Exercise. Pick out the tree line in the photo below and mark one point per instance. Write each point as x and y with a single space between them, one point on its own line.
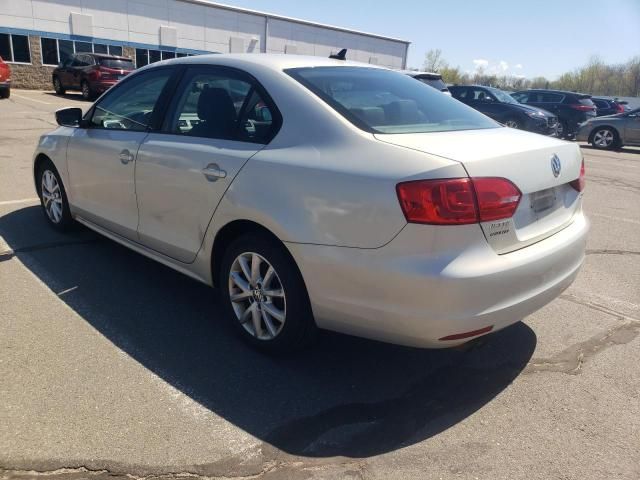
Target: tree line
596 77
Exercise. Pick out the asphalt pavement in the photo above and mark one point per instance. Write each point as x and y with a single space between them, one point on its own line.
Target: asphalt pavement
113 366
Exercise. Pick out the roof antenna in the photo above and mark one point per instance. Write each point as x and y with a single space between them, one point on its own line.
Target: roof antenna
341 55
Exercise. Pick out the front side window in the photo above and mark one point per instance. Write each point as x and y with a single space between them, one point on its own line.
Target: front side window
383 101
219 105
130 105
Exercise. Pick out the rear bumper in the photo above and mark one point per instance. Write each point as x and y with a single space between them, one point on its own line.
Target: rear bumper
5 84
432 282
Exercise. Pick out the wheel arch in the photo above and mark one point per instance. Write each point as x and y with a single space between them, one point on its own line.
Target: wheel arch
38 162
233 230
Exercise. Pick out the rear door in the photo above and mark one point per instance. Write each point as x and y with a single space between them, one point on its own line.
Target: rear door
219 118
101 159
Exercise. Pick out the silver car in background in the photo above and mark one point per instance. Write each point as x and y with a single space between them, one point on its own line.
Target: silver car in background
611 131
320 193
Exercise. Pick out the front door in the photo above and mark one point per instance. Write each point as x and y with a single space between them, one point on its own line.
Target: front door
218 120
102 157
632 128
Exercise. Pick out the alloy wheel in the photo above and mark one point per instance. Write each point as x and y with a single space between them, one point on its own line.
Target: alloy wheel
257 296
85 90
56 85
511 124
603 138
51 196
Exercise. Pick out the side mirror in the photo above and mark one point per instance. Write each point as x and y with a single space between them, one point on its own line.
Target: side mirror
69 117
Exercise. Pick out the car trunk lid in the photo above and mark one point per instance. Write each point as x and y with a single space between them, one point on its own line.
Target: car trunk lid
541 167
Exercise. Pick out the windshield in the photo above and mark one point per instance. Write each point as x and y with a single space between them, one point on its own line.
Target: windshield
116 63
383 101
503 97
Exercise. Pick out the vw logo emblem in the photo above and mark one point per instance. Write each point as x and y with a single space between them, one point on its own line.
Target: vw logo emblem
556 166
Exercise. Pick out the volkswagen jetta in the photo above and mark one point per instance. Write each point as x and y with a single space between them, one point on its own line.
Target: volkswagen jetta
319 193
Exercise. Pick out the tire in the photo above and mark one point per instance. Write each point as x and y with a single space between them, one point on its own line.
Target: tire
5 93
562 129
57 86
605 138
513 123
87 93
53 200
274 324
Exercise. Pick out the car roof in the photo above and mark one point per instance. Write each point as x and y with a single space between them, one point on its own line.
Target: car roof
547 90
274 61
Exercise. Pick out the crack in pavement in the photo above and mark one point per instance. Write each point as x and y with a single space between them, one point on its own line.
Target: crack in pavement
611 252
571 359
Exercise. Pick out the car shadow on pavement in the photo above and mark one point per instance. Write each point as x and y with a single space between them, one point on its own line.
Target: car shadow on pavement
77 96
345 396
635 150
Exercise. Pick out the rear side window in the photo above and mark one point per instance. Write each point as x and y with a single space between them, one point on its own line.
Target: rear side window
129 105
383 101
222 105
459 92
551 98
116 63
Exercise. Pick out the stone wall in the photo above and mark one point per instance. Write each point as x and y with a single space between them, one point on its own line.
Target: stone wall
37 76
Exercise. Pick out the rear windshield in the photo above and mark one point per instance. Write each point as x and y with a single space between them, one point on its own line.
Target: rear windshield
383 101
585 101
116 63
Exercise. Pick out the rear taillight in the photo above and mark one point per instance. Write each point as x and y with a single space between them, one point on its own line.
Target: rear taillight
619 108
458 201
497 198
579 183
582 108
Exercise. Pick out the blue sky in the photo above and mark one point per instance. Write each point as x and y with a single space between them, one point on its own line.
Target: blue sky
530 38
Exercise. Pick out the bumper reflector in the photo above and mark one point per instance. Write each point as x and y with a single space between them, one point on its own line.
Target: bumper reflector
474 333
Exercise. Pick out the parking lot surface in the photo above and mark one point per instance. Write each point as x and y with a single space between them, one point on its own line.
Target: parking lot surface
113 366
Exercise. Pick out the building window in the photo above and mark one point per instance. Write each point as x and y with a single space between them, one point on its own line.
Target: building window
65 47
142 57
84 47
15 48
154 56
59 51
145 57
49 48
100 48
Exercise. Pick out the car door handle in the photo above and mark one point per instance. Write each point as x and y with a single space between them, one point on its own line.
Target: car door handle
213 172
126 156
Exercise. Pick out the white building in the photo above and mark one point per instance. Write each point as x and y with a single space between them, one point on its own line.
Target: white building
37 34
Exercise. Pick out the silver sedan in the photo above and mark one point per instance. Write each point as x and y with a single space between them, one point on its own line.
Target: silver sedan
322 194
612 131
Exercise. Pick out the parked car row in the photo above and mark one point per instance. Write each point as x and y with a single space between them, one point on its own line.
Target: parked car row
503 108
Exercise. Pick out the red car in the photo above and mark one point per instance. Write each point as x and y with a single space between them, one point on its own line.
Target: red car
5 79
91 73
